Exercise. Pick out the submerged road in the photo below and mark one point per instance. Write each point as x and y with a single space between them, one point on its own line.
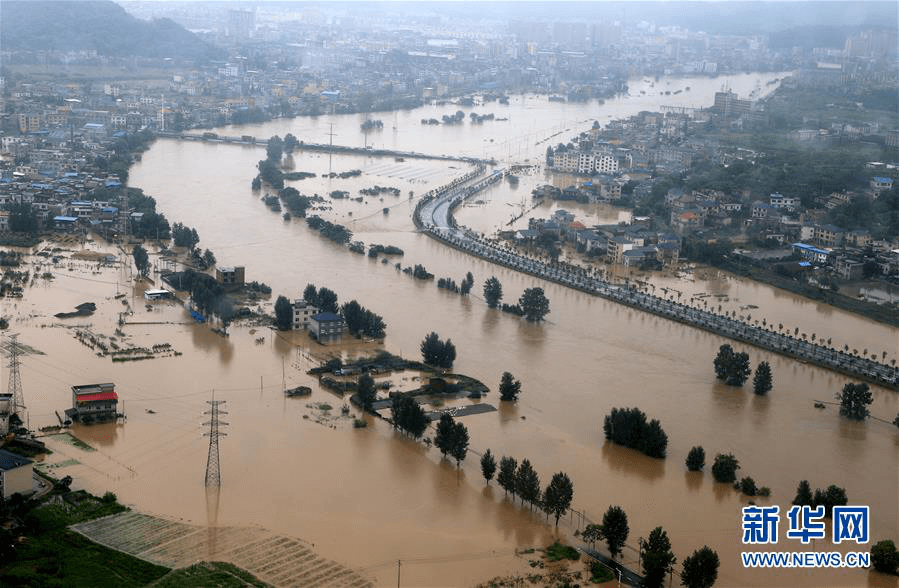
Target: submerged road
433 215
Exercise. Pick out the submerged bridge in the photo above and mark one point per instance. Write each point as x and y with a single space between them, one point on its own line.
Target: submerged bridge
250 140
433 215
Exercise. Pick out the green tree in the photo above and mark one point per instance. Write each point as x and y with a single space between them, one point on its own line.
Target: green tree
614 529
408 415
209 258
658 559
22 218
274 150
436 352
509 387
725 468
739 370
443 438
762 381
488 465
493 292
459 446
327 300
854 401
283 313
534 304
732 367
185 236
803 494
655 441
748 487
696 459
557 496
527 482
506 476
141 260
829 498
591 534
366 391
310 295
700 569
723 360
885 557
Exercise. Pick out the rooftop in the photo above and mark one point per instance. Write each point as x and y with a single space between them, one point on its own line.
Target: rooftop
10 461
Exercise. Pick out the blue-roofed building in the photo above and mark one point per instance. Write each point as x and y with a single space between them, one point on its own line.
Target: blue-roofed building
65 223
881 184
812 253
326 327
15 474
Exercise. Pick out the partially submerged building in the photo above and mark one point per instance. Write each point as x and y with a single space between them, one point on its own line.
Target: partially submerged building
94 403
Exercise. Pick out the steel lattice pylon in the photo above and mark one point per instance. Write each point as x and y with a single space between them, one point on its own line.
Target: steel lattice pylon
15 381
213 473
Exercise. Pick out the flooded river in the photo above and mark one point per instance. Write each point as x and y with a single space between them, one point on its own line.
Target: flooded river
368 497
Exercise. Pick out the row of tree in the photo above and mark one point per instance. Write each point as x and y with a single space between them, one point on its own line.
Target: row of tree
628 427
523 481
337 233
533 303
700 569
724 470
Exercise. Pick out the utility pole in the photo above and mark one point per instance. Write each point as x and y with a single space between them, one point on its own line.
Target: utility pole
15 381
213 473
398 566
330 145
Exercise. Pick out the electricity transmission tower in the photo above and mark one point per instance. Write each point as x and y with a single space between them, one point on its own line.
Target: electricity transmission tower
213 473
15 381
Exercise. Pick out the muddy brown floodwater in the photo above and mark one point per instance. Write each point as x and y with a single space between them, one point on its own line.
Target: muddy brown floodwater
369 497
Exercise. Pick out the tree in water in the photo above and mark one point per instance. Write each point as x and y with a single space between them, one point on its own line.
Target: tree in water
700 569
534 304
658 559
506 477
558 495
527 482
854 401
436 352
366 391
732 367
327 300
488 465
615 529
803 494
459 446
696 459
283 313
725 468
443 438
762 381
493 292
509 388
885 557
141 260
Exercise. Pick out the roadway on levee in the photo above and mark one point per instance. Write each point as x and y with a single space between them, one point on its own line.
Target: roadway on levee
433 215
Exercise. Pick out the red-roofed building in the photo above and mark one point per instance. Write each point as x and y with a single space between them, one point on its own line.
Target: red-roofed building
93 402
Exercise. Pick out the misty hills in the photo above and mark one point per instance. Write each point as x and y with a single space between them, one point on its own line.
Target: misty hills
95 24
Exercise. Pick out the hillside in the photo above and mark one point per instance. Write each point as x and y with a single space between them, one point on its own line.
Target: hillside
95 24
